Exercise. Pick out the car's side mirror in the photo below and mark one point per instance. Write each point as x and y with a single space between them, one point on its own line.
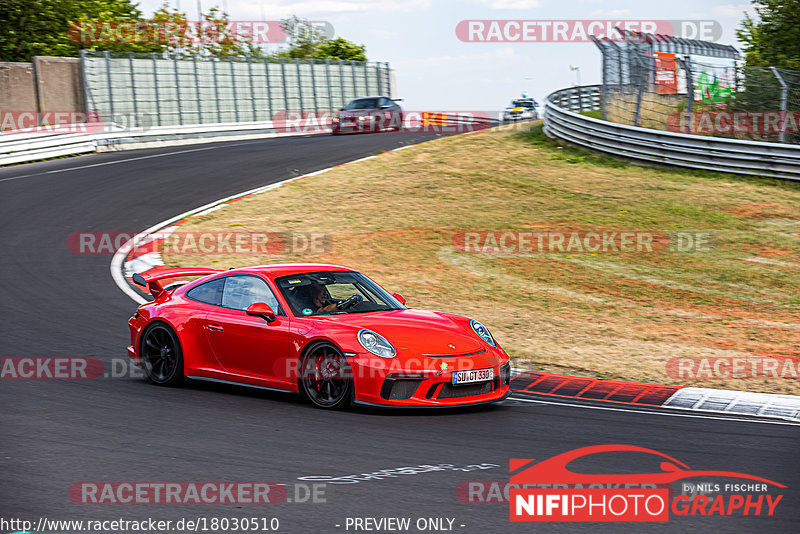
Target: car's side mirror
400 298
261 309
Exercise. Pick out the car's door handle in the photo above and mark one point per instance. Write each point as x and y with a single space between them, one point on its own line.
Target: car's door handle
215 328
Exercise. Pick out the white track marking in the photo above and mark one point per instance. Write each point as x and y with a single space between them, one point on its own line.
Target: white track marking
649 412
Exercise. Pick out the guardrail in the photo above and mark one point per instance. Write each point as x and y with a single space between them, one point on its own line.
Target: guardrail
563 120
25 147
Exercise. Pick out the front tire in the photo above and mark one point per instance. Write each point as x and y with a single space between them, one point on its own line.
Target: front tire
161 355
325 377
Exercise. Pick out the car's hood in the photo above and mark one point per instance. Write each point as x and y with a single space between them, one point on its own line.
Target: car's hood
417 332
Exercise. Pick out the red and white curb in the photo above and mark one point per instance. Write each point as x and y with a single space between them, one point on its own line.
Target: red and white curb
140 254
717 401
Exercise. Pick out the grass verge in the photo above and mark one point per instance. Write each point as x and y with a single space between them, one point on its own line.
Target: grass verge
609 315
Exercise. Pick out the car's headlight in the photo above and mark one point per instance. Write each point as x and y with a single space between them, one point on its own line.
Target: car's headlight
482 332
376 343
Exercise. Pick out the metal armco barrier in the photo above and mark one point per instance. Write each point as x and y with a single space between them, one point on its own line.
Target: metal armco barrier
25 147
22 148
562 120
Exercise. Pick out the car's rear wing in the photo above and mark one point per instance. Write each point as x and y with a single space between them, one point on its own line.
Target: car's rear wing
151 281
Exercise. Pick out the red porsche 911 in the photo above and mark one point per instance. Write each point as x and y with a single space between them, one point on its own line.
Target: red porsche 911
327 332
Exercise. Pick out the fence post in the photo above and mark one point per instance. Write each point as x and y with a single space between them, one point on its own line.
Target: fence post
252 88
178 90
283 79
133 91
86 91
784 102
604 97
341 80
108 80
353 74
197 90
155 87
640 91
687 66
314 84
214 60
271 115
331 105
299 85
388 73
233 88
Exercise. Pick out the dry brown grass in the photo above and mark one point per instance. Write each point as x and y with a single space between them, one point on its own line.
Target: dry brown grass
608 315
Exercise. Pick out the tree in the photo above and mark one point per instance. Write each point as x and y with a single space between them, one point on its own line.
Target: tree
41 27
341 49
213 37
772 40
309 42
65 27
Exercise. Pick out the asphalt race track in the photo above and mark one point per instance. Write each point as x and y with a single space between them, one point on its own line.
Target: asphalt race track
54 433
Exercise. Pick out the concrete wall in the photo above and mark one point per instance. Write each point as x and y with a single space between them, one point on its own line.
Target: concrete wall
45 84
17 88
59 86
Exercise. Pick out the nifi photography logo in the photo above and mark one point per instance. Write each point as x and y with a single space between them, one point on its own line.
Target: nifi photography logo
549 491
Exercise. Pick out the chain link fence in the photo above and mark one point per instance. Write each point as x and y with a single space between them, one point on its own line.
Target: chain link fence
142 90
696 94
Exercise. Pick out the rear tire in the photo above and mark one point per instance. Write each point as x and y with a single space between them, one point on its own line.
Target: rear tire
325 378
161 355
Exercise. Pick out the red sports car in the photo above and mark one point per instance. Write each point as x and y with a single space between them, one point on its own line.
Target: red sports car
326 331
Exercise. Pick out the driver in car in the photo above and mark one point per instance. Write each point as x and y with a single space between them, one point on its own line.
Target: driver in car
319 296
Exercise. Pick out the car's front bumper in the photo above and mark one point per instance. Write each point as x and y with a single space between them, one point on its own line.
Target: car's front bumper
427 381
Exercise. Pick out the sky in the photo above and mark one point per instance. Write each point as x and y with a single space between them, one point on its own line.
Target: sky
436 70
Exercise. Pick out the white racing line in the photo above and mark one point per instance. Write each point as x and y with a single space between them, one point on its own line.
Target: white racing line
117 268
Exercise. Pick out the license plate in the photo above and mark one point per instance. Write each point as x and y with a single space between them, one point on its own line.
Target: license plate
475 375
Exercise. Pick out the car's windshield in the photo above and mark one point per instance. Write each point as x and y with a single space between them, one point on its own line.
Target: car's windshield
524 104
333 292
362 103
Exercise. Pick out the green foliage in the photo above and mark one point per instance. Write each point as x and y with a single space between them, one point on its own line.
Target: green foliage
214 38
308 42
772 41
341 49
40 27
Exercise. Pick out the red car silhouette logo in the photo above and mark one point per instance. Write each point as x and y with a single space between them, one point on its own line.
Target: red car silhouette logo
554 470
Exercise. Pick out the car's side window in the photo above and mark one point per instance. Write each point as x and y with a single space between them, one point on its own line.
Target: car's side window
208 293
242 291
385 102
